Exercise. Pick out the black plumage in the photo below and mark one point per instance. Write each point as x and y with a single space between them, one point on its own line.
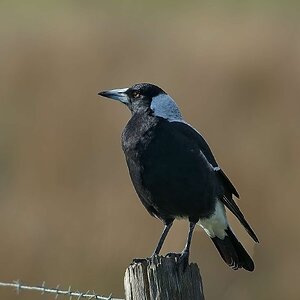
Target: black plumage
175 173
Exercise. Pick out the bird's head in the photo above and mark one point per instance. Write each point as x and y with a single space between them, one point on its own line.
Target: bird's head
146 97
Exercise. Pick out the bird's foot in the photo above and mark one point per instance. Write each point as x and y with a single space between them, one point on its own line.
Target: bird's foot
182 259
146 259
173 255
139 260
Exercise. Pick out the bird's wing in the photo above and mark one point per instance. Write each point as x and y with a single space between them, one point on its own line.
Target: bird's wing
193 134
229 189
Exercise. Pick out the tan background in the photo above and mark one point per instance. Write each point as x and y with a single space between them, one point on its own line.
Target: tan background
68 212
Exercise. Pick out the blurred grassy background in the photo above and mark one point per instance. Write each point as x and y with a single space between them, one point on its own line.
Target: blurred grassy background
68 212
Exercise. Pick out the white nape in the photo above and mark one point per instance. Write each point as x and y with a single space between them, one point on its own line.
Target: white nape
216 224
165 107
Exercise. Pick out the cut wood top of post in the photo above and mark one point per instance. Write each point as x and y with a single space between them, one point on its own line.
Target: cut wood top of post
162 278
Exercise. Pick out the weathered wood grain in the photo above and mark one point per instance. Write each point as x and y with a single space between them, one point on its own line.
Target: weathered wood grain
161 278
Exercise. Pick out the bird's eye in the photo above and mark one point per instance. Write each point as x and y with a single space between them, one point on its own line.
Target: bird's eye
135 95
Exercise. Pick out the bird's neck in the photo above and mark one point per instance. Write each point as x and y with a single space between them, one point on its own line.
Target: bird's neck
140 110
138 127
165 107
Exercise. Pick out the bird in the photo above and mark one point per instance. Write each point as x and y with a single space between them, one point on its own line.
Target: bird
175 174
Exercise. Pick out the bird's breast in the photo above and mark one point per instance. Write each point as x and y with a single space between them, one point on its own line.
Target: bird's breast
167 170
138 132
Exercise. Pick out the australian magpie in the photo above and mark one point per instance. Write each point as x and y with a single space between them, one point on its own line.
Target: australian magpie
175 173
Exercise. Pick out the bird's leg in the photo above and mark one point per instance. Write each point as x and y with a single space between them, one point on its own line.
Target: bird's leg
168 225
184 257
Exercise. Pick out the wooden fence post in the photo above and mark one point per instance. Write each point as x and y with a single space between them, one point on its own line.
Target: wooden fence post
160 278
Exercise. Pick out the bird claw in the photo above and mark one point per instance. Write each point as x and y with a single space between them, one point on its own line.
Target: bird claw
139 260
173 255
182 259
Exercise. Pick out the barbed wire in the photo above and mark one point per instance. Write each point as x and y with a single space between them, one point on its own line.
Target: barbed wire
56 291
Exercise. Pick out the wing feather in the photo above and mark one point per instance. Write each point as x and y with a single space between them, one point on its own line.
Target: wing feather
229 188
204 148
231 205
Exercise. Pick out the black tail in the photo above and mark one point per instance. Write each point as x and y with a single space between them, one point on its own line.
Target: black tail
233 252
